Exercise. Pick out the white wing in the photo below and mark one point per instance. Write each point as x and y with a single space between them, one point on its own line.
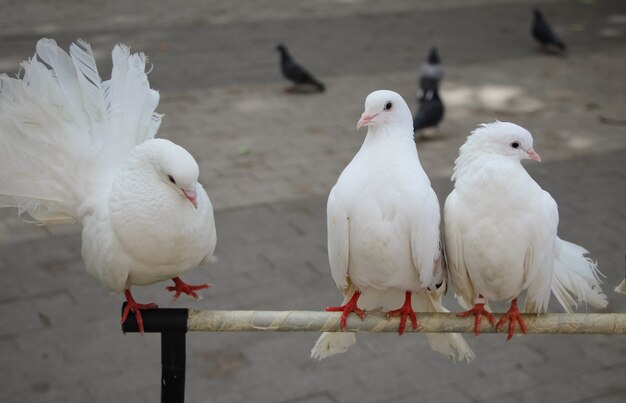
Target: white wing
338 240
424 238
457 270
64 133
543 218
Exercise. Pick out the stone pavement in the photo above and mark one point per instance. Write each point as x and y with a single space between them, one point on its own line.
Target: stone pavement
268 160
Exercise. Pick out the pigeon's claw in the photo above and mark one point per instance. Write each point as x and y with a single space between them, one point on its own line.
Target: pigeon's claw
405 311
132 305
180 287
513 315
478 311
347 308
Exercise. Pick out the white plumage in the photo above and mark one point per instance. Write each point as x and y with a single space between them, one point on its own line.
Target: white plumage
383 228
621 287
78 149
501 229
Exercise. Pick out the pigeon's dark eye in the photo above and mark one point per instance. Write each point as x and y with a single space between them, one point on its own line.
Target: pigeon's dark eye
171 178
388 106
515 144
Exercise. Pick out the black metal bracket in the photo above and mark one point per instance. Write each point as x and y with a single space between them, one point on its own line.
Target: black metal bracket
172 324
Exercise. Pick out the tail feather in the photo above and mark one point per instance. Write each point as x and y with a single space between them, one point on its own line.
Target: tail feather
131 101
452 345
621 288
92 92
319 85
331 343
576 278
63 70
33 116
559 44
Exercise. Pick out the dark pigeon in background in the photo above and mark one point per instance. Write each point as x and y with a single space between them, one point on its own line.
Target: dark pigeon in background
430 112
542 32
296 73
431 73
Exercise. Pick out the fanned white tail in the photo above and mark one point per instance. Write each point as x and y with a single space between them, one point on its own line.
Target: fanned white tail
576 278
64 132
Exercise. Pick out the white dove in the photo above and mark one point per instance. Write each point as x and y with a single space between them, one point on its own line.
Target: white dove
383 230
77 149
501 233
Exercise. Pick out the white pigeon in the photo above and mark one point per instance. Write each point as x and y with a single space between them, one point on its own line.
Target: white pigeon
78 149
501 233
383 230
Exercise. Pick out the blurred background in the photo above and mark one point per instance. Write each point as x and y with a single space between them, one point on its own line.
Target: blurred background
268 158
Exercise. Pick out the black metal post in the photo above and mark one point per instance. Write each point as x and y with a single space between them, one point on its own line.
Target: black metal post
172 366
172 324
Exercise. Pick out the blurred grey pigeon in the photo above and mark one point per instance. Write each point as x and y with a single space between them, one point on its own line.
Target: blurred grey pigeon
79 149
543 33
383 231
430 111
431 73
296 73
501 238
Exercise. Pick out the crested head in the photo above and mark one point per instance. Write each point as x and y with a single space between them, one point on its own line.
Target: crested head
386 108
499 139
495 140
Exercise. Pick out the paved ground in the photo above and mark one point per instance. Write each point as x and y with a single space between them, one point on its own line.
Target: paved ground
268 160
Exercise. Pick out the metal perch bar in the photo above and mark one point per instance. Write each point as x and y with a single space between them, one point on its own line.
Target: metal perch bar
314 321
173 324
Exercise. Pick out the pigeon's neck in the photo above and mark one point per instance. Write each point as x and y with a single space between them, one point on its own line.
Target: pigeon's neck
284 55
396 140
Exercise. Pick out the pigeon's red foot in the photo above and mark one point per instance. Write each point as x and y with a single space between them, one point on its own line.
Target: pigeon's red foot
132 305
347 308
405 311
181 287
513 315
478 311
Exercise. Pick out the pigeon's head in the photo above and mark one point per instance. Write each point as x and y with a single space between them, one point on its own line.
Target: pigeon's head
281 48
433 56
537 14
502 138
174 166
385 108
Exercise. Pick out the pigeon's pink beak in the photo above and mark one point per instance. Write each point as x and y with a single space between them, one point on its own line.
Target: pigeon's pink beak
192 196
533 155
366 118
